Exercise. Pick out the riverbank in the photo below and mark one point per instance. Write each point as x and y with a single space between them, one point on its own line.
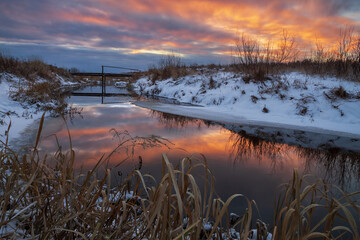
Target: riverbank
291 100
22 101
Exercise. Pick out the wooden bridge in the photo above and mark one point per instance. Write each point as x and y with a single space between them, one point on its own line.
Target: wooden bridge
103 76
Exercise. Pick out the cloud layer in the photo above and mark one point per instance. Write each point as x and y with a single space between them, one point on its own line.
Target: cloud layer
200 30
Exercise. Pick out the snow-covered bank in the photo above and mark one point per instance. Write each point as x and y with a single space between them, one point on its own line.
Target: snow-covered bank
294 101
22 113
211 114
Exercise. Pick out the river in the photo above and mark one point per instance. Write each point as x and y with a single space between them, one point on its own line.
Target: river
252 160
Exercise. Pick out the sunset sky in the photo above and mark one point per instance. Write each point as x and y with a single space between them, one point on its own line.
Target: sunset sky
136 33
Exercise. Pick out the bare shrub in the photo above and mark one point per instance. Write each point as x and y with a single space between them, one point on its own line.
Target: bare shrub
286 50
249 58
345 42
258 60
169 66
341 60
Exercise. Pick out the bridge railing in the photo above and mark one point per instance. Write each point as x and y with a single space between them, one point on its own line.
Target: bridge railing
103 75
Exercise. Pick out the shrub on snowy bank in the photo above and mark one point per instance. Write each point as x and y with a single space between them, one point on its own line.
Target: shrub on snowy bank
259 60
35 83
169 66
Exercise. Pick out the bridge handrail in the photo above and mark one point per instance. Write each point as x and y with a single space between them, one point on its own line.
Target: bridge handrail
122 68
100 74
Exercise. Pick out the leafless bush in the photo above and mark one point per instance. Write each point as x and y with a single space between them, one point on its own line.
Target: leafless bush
258 60
346 42
286 50
169 66
341 60
249 58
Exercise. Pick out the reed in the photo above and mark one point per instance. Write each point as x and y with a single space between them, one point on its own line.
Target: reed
298 202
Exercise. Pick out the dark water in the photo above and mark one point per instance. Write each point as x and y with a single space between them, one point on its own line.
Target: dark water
253 161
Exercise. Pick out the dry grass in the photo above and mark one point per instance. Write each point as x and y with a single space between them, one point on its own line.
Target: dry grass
43 202
30 69
299 201
38 82
169 66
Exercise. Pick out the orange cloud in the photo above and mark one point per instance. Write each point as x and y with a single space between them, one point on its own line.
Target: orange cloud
204 27
261 19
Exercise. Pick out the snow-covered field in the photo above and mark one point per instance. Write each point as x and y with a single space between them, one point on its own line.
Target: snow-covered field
293 100
20 113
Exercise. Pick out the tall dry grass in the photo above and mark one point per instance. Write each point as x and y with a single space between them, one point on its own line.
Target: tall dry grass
30 69
43 201
299 201
169 66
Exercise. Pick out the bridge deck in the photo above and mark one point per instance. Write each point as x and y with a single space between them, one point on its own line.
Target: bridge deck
99 94
100 74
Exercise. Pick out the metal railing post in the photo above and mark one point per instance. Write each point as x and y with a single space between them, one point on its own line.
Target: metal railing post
102 84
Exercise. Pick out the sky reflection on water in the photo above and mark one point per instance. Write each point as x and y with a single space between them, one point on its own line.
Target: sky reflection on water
241 162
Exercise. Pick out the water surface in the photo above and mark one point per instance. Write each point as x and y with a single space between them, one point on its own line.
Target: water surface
253 161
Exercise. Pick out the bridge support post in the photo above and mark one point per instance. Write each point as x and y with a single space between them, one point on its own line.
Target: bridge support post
102 84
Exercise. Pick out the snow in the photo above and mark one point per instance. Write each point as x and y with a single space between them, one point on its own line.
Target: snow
207 226
293 100
21 114
66 84
253 234
120 84
20 117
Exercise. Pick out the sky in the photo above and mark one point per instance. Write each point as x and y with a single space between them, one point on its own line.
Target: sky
136 33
